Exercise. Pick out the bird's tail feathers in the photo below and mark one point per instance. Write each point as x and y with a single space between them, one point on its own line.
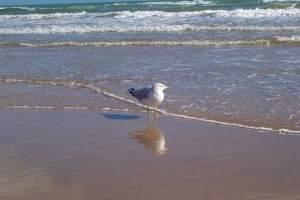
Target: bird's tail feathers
130 91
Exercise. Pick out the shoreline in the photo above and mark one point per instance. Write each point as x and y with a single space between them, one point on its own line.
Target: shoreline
281 131
76 154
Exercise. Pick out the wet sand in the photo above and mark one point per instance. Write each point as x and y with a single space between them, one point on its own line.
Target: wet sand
87 155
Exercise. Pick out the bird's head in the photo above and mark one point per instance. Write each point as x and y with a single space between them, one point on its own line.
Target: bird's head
159 86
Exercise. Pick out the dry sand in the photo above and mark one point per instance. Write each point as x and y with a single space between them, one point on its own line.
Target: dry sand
87 155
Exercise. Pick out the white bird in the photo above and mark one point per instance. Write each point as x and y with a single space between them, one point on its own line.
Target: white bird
151 96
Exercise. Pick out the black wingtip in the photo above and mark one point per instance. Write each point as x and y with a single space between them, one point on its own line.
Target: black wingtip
130 91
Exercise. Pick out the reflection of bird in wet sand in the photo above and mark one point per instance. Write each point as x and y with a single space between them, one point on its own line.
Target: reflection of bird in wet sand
151 138
151 96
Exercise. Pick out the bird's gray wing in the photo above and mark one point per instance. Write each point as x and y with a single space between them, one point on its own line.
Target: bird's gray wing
141 94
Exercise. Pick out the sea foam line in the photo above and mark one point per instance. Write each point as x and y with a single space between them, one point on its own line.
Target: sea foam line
108 94
262 129
294 38
237 13
194 2
16 107
277 40
145 43
42 16
128 28
67 84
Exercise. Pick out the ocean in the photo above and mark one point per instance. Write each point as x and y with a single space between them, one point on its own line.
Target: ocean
230 62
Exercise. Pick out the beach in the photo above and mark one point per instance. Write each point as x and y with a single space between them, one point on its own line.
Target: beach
228 129
87 155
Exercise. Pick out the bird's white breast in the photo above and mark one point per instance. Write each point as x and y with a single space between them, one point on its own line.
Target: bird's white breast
154 98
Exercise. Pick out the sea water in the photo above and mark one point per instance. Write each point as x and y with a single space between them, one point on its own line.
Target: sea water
229 62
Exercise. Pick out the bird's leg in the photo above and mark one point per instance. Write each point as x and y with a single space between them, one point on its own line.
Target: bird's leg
148 112
155 113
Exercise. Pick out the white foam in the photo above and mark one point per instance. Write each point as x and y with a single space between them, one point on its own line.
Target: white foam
194 2
145 43
268 1
254 75
237 13
42 16
28 107
264 129
257 13
294 38
62 108
20 7
59 29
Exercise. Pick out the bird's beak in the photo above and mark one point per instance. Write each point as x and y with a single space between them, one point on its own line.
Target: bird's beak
166 87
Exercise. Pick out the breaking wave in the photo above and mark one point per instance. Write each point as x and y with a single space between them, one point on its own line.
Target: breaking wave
237 13
58 29
278 40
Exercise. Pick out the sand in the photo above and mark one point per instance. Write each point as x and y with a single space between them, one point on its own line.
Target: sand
90 155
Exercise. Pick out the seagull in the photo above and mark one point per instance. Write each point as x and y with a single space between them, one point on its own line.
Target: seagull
150 96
